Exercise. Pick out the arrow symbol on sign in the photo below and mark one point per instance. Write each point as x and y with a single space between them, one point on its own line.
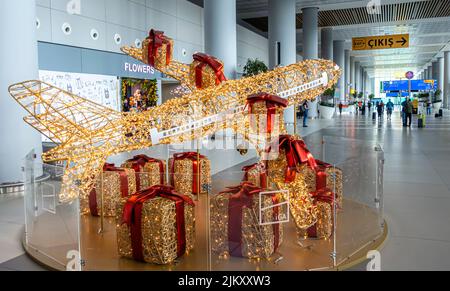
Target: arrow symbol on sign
403 41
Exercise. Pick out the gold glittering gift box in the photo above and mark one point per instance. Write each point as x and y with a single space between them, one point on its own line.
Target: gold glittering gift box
256 174
267 114
206 71
324 205
115 184
149 171
157 49
184 173
156 226
235 225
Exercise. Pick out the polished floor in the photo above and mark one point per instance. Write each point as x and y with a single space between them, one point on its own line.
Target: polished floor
416 192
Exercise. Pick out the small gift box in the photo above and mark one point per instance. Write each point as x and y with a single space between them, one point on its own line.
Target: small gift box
190 173
267 114
149 171
115 183
324 202
334 181
256 174
206 71
157 49
235 226
156 225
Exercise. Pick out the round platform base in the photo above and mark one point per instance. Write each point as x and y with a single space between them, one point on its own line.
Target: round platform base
358 232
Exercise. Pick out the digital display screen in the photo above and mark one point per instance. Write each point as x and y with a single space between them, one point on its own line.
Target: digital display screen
403 85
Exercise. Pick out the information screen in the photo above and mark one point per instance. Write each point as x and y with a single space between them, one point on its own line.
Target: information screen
403 85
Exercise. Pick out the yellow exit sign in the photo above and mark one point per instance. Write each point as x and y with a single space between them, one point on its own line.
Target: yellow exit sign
380 42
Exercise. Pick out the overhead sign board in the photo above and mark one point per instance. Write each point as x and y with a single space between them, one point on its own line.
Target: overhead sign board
403 85
380 42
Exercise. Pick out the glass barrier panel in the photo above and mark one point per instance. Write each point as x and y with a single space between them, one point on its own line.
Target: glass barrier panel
52 226
354 175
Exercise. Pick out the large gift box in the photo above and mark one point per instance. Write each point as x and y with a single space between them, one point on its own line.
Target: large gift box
149 171
156 225
324 202
157 49
256 174
267 114
115 183
235 225
206 71
184 173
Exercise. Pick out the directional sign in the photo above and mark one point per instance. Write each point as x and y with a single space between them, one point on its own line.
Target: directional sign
381 42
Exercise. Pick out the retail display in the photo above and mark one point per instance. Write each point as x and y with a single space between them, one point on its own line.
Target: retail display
206 71
235 224
113 185
190 173
149 171
156 225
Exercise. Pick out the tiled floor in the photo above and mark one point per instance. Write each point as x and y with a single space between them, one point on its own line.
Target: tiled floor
417 193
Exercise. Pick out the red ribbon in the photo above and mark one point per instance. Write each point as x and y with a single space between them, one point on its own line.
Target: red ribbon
124 190
272 104
132 216
321 195
297 153
262 175
158 39
194 157
242 197
213 63
138 163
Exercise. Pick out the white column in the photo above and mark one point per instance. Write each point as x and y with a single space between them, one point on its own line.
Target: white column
18 62
358 77
352 72
435 69
347 73
430 72
326 44
446 91
339 59
441 76
311 44
282 30
221 33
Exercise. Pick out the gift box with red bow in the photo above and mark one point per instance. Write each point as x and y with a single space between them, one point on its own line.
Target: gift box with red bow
235 226
256 174
157 49
266 114
325 204
149 171
190 173
156 225
206 71
115 184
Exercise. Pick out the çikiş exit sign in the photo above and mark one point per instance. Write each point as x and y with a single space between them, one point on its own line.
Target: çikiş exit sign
380 42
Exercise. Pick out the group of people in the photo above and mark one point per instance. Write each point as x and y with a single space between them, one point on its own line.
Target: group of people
407 112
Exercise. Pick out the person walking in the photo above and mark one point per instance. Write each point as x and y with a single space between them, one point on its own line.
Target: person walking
363 109
341 107
305 113
370 106
380 110
429 105
409 112
390 109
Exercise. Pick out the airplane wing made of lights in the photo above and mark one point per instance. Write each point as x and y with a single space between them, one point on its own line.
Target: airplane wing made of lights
88 133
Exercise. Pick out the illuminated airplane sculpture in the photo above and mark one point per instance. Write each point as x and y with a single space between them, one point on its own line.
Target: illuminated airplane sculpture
88 133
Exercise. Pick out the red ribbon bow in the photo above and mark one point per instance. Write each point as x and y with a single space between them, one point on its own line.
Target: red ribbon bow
132 216
124 190
297 153
242 197
213 63
138 163
272 104
262 174
158 39
196 168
